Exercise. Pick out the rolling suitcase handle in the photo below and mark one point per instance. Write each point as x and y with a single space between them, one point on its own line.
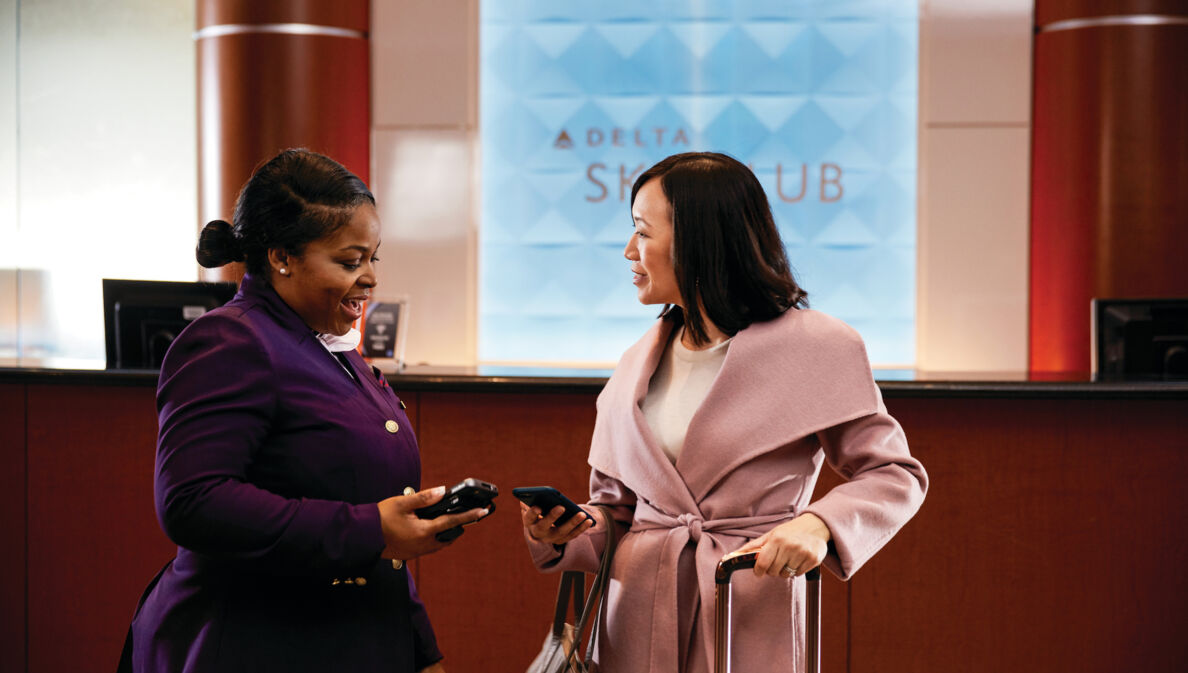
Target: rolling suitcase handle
722 638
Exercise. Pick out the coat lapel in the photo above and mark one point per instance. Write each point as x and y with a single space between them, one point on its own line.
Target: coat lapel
368 381
782 380
623 445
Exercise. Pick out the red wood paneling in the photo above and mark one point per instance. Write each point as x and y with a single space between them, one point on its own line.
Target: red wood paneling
1052 539
13 519
94 542
488 604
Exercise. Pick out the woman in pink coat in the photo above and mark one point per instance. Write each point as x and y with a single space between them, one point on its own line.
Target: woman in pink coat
711 433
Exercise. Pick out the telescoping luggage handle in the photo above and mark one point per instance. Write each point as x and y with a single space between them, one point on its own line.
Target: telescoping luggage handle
722 640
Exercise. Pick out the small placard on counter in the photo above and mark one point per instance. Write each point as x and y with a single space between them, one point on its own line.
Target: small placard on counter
384 326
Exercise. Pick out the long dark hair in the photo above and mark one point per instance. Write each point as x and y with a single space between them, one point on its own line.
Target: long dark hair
293 199
728 258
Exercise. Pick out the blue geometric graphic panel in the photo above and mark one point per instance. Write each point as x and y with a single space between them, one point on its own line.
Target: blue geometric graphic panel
578 98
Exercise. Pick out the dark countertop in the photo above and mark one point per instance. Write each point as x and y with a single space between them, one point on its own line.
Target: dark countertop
506 379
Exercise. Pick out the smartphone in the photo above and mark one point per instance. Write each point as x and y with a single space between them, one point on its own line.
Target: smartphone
464 496
546 498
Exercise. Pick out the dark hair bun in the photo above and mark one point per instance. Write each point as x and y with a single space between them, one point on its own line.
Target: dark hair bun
217 245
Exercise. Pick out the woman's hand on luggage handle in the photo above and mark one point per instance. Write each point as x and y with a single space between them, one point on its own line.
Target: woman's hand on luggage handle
407 536
542 526
799 545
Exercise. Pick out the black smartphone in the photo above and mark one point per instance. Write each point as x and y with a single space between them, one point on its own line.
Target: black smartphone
466 495
546 498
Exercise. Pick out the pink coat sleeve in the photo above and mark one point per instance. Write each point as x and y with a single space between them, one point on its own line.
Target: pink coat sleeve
584 552
884 488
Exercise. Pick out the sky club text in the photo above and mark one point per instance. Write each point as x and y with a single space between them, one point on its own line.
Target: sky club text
792 181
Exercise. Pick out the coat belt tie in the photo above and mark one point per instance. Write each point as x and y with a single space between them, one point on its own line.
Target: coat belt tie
713 539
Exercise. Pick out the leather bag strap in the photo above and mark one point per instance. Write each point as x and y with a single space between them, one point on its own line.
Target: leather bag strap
585 606
596 599
573 586
602 580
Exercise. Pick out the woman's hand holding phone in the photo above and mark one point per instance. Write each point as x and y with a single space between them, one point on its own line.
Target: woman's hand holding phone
544 527
551 517
408 536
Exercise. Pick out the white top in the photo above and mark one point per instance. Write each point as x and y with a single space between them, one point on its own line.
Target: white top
338 344
681 382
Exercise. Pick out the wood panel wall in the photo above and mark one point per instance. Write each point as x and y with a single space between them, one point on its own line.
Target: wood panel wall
1052 540
13 518
1053 536
93 540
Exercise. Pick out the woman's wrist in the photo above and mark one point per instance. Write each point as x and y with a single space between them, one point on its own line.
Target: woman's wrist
814 525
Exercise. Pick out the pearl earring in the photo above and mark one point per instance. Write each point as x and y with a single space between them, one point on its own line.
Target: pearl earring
283 270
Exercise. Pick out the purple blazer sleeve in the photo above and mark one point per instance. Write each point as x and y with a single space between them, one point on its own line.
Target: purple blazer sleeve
216 398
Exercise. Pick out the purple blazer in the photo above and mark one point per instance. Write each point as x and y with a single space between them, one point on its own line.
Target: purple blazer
270 462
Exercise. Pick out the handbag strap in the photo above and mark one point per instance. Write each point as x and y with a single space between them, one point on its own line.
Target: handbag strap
603 578
573 586
597 595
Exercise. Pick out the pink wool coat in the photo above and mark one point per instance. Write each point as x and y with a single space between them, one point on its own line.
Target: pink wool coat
792 392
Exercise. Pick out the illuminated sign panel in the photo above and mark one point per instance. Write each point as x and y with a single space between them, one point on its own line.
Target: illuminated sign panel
819 98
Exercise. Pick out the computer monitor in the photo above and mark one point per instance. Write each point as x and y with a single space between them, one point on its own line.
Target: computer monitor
142 317
1144 339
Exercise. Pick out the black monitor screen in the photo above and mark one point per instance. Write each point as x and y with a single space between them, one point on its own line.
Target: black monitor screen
1140 339
142 317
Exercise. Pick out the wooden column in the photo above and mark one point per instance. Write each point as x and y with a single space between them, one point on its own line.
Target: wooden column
1109 202
274 74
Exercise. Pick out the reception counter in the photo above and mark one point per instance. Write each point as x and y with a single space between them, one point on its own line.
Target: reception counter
1053 537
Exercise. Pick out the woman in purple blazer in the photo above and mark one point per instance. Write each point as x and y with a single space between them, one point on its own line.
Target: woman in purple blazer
712 431
282 455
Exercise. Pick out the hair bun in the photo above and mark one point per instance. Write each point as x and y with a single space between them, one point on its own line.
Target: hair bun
217 245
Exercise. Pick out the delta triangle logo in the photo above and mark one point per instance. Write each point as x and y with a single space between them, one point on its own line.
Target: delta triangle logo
563 141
